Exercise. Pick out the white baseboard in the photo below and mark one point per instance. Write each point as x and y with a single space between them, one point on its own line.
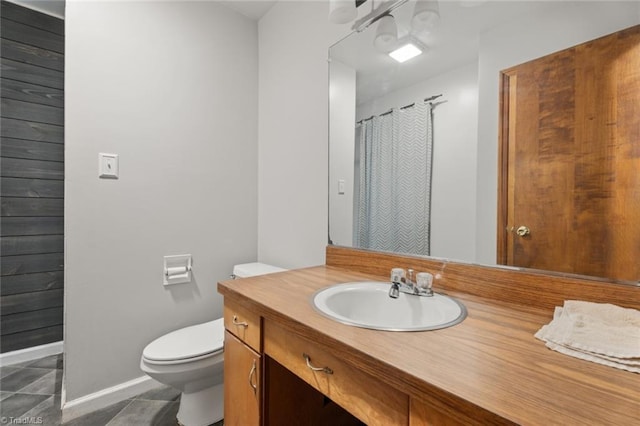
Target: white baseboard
101 399
29 354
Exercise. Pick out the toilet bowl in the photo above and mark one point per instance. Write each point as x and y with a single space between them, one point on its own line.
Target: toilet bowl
191 360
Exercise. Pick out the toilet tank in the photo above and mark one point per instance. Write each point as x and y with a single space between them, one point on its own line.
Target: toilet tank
245 270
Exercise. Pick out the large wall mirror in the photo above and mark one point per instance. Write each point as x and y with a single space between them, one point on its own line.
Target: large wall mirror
414 146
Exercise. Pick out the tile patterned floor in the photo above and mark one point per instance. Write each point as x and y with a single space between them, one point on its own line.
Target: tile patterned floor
30 394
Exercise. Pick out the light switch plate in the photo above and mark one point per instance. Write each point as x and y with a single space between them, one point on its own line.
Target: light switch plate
108 166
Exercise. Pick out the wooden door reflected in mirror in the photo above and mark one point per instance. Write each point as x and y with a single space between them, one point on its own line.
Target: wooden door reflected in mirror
570 130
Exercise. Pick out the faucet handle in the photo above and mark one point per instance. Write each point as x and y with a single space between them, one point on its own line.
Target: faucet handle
410 277
425 281
397 274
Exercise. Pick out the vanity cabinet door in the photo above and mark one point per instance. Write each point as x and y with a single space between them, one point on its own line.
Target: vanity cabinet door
241 383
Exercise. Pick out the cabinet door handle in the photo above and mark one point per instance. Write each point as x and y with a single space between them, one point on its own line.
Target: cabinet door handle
252 374
307 358
240 323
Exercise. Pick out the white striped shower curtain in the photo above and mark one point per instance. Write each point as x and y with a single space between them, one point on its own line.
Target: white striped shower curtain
392 209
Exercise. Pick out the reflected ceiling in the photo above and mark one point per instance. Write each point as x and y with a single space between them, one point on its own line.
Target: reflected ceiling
452 44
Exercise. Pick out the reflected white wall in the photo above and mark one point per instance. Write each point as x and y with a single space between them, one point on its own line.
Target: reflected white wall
342 118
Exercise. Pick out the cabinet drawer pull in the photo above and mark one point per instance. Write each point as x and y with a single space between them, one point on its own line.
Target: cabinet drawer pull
323 369
251 376
236 322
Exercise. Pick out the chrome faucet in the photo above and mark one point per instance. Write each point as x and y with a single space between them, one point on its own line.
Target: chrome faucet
394 291
397 275
400 283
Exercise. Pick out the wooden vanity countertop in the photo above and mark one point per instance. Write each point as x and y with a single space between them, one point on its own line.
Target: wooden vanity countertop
490 363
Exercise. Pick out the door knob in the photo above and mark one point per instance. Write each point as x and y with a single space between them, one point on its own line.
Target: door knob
523 231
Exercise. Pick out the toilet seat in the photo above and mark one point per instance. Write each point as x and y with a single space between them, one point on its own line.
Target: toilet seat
187 344
151 363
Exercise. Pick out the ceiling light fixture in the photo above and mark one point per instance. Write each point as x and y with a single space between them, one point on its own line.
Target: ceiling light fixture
426 15
342 11
386 34
405 52
385 8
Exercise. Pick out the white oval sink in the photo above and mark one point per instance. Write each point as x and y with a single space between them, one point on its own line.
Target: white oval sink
367 304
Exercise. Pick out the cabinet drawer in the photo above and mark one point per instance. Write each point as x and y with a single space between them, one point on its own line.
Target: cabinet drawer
365 397
242 323
452 412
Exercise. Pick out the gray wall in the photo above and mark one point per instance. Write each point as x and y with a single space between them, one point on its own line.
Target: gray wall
32 173
293 132
171 87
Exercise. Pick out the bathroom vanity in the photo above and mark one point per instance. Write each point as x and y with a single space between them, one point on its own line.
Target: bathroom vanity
284 362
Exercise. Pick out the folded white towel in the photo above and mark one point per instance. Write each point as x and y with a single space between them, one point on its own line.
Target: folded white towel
598 332
591 357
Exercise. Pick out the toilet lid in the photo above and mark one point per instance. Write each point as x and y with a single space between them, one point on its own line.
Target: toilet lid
188 342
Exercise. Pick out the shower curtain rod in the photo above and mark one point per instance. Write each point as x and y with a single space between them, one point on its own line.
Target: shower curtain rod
431 98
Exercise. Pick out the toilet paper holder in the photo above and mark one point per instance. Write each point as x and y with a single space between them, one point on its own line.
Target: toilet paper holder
177 269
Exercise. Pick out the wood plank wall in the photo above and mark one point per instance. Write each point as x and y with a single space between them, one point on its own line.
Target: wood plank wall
31 178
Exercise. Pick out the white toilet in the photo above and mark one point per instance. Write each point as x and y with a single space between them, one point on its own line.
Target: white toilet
191 359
